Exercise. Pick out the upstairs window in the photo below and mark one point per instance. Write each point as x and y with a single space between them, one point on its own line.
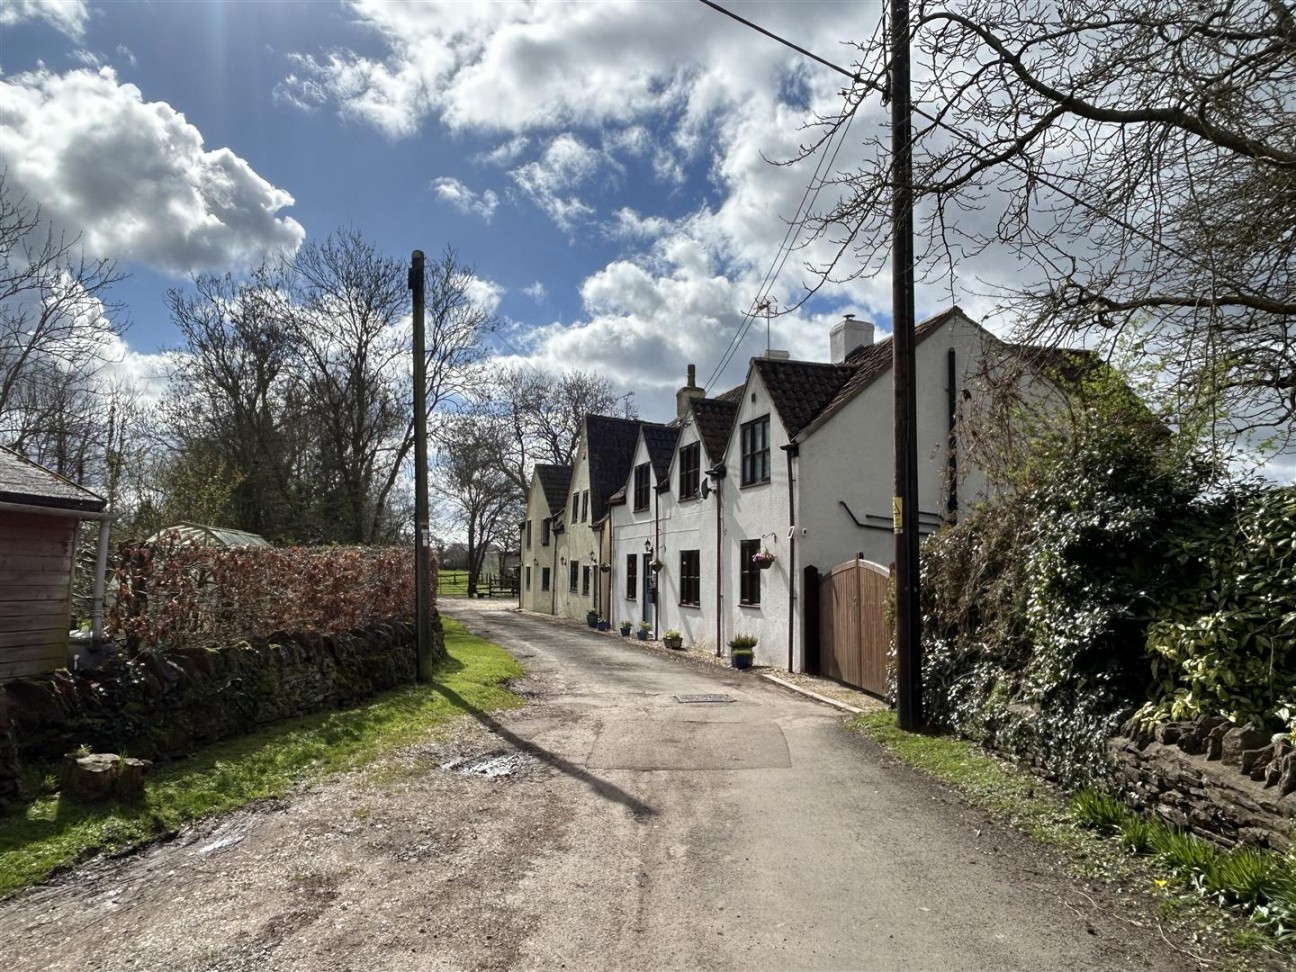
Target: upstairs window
748 573
632 576
690 467
755 451
528 534
575 508
641 487
544 532
585 506
690 577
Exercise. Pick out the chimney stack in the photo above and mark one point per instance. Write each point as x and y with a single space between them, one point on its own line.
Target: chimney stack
848 337
687 393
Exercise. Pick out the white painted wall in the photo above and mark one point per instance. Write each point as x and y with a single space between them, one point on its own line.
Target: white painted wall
758 512
850 458
630 529
579 542
536 556
687 524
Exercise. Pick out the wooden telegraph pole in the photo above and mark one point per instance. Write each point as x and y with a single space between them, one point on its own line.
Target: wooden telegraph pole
422 538
908 620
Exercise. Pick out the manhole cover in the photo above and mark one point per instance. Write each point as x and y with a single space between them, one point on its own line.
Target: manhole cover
491 765
704 697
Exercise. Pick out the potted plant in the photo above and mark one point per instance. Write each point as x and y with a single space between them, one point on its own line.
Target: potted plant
625 629
603 624
742 650
673 639
645 629
591 617
763 560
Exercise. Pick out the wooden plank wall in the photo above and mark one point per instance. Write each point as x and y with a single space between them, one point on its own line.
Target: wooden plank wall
35 592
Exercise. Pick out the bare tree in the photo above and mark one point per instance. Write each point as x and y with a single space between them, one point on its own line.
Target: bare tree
56 325
349 301
1138 161
478 495
538 416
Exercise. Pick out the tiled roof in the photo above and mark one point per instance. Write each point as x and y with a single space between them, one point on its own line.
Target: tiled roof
23 481
611 444
660 440
554 480
714 418
870 363
800 389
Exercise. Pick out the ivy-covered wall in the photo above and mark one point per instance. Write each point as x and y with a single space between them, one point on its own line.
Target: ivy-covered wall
162 704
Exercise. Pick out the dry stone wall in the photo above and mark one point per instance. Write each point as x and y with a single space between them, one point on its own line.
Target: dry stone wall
163 704
1227 783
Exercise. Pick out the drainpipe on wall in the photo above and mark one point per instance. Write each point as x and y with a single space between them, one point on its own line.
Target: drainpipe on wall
792 449
951 499
656 574
553 573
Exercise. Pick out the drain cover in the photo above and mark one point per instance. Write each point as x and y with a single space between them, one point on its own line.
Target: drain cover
704 697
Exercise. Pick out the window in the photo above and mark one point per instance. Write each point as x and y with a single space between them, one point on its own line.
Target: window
573 577
544 578
528 534
632 576
544 532
690 577
748 572
585 581
585 506
641 487
527 581
690 462
575 507
755 451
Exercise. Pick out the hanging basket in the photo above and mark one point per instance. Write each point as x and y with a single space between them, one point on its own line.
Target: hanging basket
764 562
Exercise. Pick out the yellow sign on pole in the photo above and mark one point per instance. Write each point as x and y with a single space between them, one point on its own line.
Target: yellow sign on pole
897 514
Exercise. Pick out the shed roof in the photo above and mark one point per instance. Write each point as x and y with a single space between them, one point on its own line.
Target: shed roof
202 535
29 483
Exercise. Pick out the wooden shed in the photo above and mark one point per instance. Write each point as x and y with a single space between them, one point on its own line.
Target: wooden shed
39 515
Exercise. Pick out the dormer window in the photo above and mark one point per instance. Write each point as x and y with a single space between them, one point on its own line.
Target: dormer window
641 487
690 466
755 451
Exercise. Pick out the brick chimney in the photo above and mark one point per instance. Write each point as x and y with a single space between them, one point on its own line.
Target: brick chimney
848 336
687 393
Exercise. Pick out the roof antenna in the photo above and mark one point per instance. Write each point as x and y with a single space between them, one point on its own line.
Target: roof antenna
766 304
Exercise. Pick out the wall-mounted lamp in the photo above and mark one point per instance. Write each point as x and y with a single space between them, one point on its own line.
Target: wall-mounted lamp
647 546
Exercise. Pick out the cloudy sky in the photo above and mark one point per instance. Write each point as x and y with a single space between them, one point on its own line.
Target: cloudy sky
605 167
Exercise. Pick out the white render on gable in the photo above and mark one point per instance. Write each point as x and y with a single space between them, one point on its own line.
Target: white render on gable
536 555
850 458
578 543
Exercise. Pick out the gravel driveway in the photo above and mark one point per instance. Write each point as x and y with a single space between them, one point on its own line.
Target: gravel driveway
607 825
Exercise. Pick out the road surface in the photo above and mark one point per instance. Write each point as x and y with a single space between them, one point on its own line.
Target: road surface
626 829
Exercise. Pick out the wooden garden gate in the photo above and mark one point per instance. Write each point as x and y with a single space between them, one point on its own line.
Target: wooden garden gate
854 637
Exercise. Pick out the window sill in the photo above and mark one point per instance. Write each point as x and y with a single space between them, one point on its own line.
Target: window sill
689 604
763 482
748 604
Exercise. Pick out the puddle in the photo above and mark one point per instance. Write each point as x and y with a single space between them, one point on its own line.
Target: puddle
492 766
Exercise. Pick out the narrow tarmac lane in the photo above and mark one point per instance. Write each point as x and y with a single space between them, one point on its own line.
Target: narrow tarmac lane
626 829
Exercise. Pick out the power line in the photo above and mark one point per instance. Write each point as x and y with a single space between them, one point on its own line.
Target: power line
854 76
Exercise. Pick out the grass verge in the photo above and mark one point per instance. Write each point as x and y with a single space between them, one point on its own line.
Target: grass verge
1154 892
50 833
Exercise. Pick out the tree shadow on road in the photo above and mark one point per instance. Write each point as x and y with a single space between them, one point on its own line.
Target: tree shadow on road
608 791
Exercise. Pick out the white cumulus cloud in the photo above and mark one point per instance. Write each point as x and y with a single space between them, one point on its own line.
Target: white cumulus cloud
133 177
464 199
67 16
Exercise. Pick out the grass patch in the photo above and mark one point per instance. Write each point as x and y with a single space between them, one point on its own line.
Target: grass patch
452 582
51 833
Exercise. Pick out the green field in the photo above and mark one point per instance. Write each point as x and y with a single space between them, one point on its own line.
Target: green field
51 833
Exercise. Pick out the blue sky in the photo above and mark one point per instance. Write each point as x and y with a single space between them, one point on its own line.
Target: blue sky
601 165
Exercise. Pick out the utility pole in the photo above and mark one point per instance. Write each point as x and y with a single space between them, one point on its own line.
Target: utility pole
908 620
422 538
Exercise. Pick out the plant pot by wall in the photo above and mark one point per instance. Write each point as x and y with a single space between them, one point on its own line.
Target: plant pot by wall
603 626
741 658
676 644
625 631
642 635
